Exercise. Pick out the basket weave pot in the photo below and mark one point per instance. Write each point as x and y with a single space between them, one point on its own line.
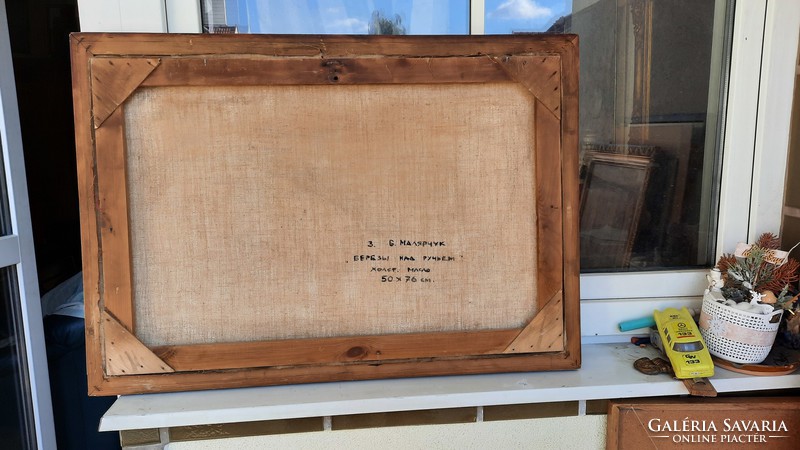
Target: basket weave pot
735 335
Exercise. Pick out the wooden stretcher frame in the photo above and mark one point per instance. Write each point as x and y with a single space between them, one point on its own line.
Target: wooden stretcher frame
108 68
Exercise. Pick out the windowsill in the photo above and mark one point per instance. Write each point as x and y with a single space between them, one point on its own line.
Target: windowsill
606 373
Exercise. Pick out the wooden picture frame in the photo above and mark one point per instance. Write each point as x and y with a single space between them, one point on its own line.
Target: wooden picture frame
261 210
612 198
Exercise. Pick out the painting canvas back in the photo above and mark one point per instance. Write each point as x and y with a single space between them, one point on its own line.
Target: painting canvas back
284 209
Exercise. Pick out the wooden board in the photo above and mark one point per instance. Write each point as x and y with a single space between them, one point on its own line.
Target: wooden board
766 370
766 422
284 209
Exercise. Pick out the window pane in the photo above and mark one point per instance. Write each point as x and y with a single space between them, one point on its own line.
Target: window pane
649 103
5 211
16 426
336 16
526 16
14 407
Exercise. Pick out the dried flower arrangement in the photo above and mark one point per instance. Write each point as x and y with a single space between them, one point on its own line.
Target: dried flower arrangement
744 305
759 277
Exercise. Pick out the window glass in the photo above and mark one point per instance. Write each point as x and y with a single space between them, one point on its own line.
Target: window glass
521 16
16 428
5 211
650 101
336 16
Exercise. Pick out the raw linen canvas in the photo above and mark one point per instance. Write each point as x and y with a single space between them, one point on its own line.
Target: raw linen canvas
284 209
365 223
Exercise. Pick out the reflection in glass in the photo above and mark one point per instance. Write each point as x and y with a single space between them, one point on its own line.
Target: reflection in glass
649 98
336 16
5 211
16 426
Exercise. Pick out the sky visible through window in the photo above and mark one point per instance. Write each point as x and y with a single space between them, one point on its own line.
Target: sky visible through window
507 16
416 16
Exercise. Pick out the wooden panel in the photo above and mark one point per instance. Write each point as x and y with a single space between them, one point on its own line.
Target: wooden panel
84 141
113 80
256 72
545 333
549 217
704 423
187 381
125 354
539 74
154 45
341 350
284 209
570 68
112 219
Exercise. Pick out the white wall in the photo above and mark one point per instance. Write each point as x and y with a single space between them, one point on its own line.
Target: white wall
146 16
577 432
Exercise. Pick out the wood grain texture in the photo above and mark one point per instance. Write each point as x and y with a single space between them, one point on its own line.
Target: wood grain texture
113 80
539 74
254 71
755 422
549 239
124 354
333 350
84 141
700 387
366 370
328 46
112 219
545 333
570 183
550 203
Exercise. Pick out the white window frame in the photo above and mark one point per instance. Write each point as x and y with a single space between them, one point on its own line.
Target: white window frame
756 127
16 249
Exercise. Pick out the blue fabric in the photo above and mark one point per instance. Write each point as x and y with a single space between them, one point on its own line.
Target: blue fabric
76 415
66 299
